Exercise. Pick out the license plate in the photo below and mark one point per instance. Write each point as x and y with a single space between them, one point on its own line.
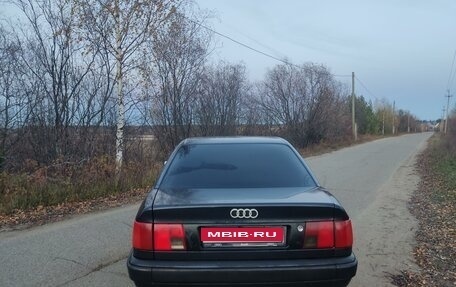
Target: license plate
242 235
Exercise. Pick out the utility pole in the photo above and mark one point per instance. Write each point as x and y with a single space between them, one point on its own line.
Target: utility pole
408 122
443 121
447 111
355 135
383 122
394 106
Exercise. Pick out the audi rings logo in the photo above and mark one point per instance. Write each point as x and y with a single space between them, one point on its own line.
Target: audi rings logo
244 213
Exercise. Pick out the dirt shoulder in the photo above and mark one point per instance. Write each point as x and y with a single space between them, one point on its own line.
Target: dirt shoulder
22 219
434 205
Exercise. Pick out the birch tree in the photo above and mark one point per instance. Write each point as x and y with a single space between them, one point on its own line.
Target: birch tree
121 28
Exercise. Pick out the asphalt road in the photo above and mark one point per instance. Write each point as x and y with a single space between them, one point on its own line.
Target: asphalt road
373 181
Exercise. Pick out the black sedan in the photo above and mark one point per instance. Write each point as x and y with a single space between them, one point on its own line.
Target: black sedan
240 211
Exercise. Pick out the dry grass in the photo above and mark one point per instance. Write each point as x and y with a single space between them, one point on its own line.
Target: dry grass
329 146
64 182
434 204
21 219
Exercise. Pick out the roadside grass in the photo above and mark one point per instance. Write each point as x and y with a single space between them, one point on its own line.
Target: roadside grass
329 146
64 182
434 205
443 165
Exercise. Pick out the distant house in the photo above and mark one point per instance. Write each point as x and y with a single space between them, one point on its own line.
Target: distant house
437 126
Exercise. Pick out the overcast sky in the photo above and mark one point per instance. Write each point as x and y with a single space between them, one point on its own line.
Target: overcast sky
401 50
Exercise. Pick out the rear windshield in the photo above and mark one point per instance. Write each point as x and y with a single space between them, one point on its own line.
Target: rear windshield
236 166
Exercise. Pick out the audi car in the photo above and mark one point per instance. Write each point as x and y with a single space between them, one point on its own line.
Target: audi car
240 211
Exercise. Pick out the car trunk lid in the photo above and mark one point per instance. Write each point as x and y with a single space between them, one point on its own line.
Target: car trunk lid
242 211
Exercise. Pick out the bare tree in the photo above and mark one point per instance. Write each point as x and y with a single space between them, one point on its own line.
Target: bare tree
121 28
14 103
179 53
384 112
51 58
221 92
327 109
407 122
284 100
253 120
303 103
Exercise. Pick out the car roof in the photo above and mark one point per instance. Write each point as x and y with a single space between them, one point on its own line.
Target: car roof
232 140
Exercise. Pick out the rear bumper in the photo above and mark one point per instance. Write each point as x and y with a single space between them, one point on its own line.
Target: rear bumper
302 272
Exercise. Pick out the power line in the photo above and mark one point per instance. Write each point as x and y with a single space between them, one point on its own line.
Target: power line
249 47
273 50
451 76
364 86
452 79
240 43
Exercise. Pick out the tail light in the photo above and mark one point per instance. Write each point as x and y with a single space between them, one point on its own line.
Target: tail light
328 234
169 237
143 236
319 234
343 234
160 237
